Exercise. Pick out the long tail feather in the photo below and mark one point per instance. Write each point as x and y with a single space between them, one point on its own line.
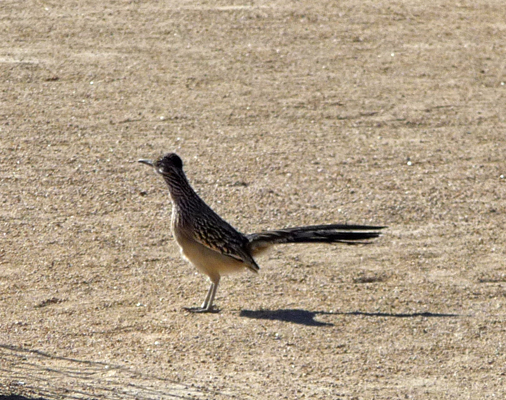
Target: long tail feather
337 233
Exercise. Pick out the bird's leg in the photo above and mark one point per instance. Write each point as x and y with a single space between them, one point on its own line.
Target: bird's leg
207 305
208 302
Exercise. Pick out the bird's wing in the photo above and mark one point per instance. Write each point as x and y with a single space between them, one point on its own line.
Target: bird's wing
224 239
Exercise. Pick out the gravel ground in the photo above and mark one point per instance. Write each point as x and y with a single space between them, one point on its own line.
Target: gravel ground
285 113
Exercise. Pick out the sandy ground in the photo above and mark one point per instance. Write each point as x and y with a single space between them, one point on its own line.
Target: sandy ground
285 113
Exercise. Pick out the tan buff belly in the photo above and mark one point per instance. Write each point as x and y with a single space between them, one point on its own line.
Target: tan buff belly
208 261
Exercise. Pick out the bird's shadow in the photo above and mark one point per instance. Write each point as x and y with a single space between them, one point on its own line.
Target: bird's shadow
305 317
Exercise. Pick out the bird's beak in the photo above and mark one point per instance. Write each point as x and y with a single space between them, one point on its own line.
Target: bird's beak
147 162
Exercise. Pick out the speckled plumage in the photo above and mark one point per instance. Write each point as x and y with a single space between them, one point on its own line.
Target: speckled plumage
216 248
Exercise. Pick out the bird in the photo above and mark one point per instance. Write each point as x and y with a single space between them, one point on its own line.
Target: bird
216 248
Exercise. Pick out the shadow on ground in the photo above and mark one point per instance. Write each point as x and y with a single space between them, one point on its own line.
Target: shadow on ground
305 317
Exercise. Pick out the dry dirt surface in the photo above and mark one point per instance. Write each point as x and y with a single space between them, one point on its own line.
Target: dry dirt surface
285 113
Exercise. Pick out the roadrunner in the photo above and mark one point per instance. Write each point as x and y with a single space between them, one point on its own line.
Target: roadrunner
215 248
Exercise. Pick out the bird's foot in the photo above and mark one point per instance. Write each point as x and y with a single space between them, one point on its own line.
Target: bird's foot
201 310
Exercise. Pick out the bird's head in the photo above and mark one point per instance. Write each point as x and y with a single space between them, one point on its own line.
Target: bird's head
168 164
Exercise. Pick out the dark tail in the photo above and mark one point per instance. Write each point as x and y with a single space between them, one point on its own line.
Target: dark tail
349 234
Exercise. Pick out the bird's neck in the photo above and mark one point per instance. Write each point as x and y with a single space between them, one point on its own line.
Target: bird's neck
181 193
